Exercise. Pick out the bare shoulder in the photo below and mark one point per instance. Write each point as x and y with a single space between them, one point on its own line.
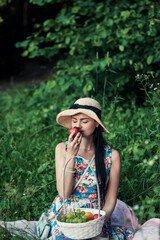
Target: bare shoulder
60 148
116 156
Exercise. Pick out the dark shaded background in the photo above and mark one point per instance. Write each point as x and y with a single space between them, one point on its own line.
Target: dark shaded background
19 17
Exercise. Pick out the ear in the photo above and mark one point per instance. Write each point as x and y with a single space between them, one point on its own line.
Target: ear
97 124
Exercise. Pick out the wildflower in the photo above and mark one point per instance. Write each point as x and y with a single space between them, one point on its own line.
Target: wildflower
146 142
27 179
144 161
150 163
155 88
156 157
136 207
45 110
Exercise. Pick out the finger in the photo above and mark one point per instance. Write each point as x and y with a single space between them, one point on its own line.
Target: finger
71 136
79 134
76 141
80 138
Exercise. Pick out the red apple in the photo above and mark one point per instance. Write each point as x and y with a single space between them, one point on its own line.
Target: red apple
95 216
75 129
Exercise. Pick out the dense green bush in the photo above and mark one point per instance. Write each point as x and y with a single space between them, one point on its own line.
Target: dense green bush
101 45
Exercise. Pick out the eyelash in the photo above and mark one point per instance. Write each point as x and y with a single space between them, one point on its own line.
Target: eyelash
82 122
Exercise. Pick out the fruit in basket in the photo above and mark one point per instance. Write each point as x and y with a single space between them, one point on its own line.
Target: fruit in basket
74 217
95 216
73 129
63 218
89 216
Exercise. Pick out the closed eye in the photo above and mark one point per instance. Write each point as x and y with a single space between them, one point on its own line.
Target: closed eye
73 121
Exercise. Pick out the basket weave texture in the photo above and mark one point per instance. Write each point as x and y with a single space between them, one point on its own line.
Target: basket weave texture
85 230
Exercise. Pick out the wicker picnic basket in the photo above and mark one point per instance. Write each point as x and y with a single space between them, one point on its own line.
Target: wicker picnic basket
84 230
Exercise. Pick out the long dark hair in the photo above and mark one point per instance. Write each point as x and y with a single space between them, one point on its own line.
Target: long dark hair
99 160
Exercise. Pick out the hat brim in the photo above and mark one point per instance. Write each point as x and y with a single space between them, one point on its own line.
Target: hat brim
64 117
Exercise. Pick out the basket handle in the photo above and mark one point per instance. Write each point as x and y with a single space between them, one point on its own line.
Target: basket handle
64 184
89 165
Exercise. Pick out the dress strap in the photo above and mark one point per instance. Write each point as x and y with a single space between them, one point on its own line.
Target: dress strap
108 161
108 156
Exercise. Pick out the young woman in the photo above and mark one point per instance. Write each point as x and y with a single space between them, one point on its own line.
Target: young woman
88 145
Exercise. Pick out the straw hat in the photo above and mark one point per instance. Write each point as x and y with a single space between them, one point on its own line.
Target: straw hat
87 106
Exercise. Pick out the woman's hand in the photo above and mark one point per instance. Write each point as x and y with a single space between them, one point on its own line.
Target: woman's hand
73 144
62 159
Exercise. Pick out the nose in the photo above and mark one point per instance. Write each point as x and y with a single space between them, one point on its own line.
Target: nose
78 124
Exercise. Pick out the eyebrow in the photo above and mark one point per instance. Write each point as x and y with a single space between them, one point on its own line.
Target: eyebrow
80 118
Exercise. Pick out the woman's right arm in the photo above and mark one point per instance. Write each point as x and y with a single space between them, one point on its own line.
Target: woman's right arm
61 158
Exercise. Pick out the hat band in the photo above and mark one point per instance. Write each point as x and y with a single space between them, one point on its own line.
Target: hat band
94 109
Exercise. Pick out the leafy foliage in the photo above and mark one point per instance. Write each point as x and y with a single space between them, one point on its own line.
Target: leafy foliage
2 4
100 42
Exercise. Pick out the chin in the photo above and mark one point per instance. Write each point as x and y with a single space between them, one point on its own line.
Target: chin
87 135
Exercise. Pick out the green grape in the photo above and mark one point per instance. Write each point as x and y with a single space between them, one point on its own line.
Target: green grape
63 218
74 217
82 213
79 211
84 218
76 220
71 220
80 220
69 215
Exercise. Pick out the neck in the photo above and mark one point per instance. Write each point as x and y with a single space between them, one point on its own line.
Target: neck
87 144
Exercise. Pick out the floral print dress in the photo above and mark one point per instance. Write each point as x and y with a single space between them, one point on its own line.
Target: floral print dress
85 195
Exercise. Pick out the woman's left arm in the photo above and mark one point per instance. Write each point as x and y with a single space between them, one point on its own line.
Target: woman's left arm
114 179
